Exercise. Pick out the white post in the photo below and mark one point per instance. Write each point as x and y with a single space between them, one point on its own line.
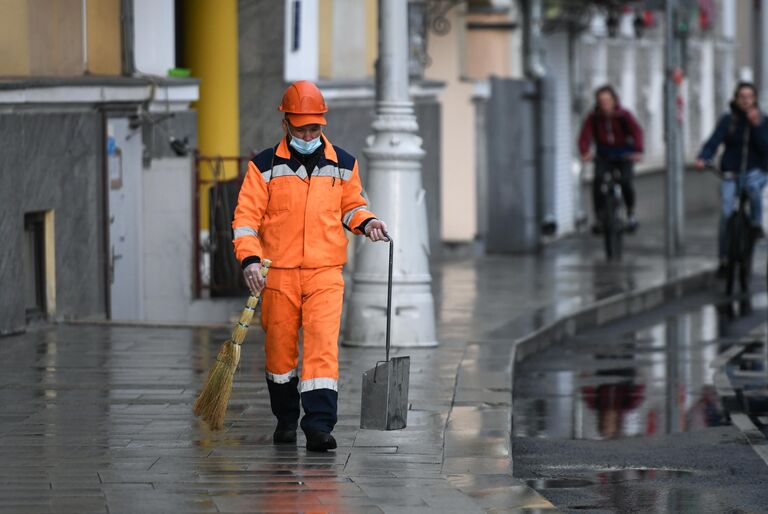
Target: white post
396 195
761 55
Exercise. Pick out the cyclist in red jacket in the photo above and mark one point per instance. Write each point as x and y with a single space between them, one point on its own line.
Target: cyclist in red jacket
618 140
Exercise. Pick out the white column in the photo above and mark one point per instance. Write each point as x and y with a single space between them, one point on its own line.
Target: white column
628 88
761 50
154 36
708 111
301 43
396 195
726 55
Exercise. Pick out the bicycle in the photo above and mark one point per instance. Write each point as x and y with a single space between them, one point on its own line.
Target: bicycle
739 236
611 219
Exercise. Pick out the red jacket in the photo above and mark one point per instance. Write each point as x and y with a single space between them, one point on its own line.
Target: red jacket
615 136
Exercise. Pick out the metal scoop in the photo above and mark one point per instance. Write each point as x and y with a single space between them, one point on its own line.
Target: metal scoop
384 404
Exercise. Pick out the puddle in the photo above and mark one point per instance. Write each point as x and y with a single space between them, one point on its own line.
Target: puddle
609 476
558 483
615 476
608 383
627 381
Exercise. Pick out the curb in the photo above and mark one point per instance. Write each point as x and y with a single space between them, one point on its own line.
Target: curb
594 315
732 398
610 309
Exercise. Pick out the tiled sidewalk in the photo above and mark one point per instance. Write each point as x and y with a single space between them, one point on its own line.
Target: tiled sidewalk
97 418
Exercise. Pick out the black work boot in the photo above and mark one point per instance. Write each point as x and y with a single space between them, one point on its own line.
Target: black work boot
284 400
319 418
284 435
320 442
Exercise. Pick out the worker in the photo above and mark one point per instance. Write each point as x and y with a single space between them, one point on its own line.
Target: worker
295 202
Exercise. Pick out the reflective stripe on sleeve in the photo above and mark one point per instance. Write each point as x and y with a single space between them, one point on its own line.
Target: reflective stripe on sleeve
245 231
348 216
318 383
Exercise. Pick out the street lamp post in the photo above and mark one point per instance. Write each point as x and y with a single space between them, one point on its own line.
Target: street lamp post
673 119
395 191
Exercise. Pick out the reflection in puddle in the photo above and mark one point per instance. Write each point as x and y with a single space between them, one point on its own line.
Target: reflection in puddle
558 483
620 382
608 476
606 385
615 476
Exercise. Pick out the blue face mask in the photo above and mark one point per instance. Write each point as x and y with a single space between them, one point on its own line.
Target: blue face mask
305 147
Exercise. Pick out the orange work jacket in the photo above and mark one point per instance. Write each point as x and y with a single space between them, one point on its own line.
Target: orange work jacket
294 218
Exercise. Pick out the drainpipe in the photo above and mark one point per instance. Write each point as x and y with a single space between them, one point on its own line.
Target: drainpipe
532 39
127 29
84 21
761 57
536 71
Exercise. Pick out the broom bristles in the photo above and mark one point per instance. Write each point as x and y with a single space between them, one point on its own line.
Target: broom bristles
212 403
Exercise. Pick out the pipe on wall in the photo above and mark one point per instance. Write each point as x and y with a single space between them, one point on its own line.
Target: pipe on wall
536 70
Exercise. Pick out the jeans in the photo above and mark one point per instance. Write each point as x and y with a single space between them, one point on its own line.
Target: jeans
754 180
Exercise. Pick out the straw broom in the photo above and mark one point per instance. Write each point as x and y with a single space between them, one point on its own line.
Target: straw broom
212 403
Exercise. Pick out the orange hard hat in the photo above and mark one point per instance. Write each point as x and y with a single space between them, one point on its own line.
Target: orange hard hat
303 104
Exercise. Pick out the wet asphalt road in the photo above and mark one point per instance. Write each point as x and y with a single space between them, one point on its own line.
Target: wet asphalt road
625 418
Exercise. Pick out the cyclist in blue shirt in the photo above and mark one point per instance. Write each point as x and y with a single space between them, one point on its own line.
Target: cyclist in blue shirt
744 134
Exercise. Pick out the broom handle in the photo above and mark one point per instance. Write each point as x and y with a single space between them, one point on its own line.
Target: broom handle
389 288
238 334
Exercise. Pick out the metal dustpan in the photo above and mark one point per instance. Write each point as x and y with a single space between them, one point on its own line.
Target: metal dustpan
384 403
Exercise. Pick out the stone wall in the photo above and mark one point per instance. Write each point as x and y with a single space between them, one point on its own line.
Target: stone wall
261 65
53 161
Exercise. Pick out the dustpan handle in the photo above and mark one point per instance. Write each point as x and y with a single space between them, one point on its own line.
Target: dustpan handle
389 288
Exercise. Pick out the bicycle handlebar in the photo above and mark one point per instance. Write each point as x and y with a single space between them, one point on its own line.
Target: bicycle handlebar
711 168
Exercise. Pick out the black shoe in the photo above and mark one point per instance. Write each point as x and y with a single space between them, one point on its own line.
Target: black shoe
320 442
284 436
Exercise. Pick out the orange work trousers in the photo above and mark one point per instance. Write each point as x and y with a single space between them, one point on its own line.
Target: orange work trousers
308 299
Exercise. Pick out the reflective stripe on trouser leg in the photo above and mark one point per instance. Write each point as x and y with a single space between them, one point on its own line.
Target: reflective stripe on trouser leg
280 318
323 291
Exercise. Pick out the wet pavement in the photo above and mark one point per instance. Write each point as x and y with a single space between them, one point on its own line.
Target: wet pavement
626 417
97 418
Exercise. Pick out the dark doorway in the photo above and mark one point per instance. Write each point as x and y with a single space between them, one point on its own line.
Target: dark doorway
34 265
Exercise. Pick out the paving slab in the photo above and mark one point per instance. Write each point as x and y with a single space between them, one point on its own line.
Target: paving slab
97 417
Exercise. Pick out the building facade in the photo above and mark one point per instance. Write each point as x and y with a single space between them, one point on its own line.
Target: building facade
87 118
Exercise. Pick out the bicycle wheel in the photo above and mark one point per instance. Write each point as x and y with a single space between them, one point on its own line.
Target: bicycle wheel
738 254
747 251
612 229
